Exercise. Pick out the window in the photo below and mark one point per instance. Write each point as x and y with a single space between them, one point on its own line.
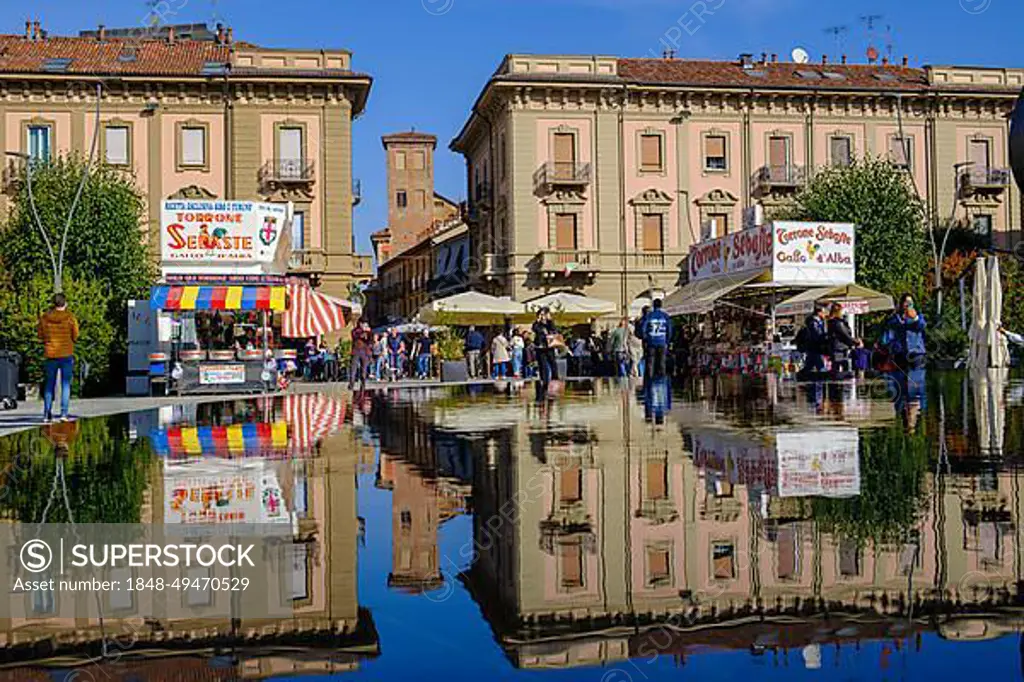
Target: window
718 224
652 234
289 152
571 560
115 145
901 151
39 142
978 154
778 157
406 519
656 481
982 225
840 151
399 160
401 199
502 156
658 562
651 153
714 153
421 200
193 146
565 155
565 232
789 554
571 485
849 558
298 231
417 161
723 561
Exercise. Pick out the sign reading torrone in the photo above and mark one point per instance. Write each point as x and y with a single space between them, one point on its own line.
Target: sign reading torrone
203 234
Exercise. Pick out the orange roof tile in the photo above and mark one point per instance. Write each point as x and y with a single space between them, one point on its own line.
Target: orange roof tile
95 57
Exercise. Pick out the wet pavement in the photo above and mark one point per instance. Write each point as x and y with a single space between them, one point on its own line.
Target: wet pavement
720 529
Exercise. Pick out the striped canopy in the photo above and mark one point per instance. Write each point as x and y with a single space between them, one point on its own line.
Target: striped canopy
217 298
236 440
311 313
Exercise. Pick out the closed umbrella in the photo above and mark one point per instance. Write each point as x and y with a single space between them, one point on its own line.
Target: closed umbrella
979 317
999 352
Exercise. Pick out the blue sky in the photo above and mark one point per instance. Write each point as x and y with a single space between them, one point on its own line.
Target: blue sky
430 58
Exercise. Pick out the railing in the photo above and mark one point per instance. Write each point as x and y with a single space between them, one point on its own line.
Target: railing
307 260
786 176
357 191
569 261
286 171
559 173
982 177
648 260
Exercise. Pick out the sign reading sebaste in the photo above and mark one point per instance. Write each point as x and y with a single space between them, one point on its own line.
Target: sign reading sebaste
220 232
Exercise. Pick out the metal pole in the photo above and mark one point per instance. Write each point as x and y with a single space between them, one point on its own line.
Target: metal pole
963 309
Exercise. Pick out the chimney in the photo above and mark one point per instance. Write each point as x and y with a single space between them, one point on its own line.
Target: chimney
101 33
906 60
170 35
824 59
231 37
668 54
220 34
747 60
844 59
36 30
28 29
775 58
764 57
885 61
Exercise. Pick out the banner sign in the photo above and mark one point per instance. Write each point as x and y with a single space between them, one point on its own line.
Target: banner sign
210 233
821 463
797 253
215 375
205 492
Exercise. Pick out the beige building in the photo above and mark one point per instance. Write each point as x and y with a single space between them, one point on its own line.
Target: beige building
199 117
598 174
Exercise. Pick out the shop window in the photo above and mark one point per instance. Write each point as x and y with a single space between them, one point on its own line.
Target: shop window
653 232
651 153
840 150
723 561
714 153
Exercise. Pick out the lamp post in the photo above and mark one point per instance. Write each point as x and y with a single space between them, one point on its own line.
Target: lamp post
957 167
29 166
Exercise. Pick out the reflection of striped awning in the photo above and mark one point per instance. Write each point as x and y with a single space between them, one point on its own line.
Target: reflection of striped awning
312 417
217 298
237 440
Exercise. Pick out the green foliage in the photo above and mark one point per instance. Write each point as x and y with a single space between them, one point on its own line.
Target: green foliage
22 304
1012 270
892 489
450 345
892 248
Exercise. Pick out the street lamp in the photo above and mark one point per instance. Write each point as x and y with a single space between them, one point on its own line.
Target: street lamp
957 167
29 165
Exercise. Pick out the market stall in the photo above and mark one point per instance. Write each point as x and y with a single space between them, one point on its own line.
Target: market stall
749 291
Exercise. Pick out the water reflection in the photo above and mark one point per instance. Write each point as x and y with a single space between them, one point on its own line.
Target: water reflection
794 523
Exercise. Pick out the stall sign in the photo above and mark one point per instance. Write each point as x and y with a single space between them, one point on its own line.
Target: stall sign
813 253
745 251
207 233
215 375
820 463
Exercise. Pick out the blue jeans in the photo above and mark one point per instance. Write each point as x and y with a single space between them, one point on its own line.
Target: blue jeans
517 361
66 367
423 365
500 370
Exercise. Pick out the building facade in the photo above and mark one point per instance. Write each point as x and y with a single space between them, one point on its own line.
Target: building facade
201 117
597 174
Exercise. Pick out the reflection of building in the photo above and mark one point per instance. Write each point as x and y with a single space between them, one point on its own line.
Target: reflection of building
196 115
327 632
708 544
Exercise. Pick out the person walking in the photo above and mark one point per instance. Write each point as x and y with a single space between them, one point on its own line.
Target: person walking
362 352
58 330
518 346
618 347
473 346
657 330
500 355
904 335
423 355
396 354
812 340
638 330
841 341
545 340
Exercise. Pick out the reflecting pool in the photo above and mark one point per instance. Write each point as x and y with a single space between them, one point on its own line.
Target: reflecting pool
724 528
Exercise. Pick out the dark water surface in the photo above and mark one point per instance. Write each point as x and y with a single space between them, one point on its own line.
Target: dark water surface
723 529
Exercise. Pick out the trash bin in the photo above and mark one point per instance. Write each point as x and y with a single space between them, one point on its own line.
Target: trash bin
9 364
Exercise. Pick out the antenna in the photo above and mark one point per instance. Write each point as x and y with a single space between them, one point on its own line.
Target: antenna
837 33
869 21
888 42
800 55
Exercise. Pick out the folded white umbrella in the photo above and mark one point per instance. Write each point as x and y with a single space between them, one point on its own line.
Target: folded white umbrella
979 317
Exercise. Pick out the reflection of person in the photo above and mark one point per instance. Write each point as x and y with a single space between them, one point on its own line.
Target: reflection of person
58 330
657 328
904 335
657 399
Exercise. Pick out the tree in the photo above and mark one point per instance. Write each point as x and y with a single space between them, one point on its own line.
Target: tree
104 243
892 245
22 303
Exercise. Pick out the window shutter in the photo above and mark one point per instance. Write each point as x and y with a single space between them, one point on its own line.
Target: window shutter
116 144
650 152
565 231
193 146
714 146
652 234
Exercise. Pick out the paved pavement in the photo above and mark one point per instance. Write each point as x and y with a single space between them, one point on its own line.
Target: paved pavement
30 413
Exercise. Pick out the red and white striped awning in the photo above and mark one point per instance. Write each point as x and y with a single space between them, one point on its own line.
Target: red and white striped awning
312 417
311 313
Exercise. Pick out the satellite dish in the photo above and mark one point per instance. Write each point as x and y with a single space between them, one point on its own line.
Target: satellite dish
800 55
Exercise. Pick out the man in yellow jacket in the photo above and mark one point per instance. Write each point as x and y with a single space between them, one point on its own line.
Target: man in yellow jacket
58 330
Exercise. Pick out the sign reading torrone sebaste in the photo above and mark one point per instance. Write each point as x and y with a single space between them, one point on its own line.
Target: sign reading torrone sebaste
222 237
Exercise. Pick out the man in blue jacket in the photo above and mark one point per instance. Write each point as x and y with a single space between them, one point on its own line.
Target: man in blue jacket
474 344
904 335
657 329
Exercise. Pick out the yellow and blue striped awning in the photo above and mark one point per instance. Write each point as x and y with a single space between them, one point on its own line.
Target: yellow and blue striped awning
217 298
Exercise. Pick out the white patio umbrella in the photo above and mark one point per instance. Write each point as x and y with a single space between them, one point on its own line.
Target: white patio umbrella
470 307
569 308
999 352
979 317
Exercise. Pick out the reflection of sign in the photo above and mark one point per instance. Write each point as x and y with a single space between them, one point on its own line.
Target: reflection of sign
821 463
142 338
205 492
217 232
215 375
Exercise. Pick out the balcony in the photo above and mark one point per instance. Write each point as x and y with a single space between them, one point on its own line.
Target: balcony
307 261
983 180
287 172
557 174
567 263
772 179
357 192
14 171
